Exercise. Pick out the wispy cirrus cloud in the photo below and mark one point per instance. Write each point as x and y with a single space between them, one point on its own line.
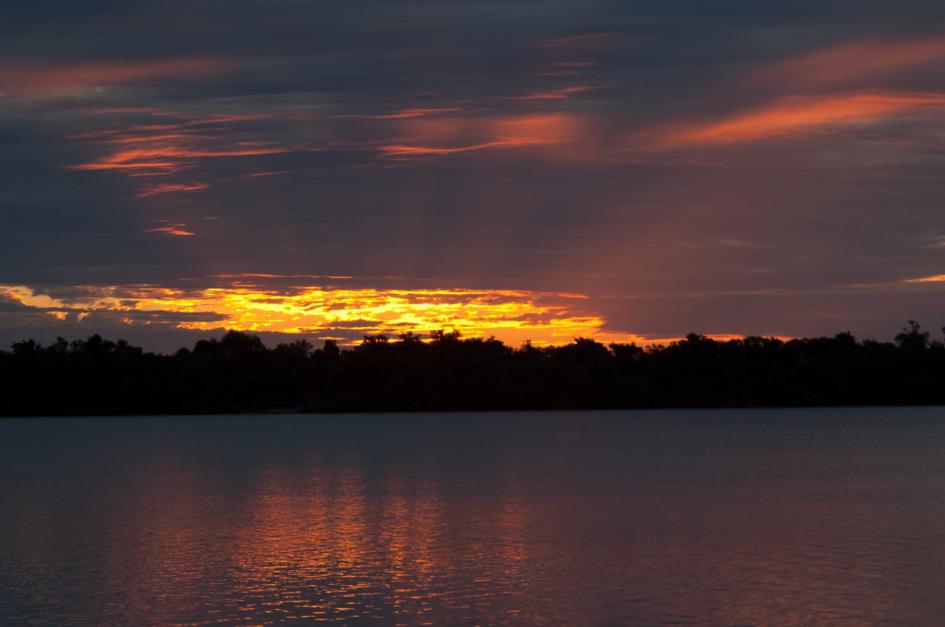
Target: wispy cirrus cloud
470 134
176 230
852 61
168 158
413 150
790 116
37 79
813 91
171 188
934 278
403 114
559 93
175 144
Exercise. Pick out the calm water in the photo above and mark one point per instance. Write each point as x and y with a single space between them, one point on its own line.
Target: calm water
704 517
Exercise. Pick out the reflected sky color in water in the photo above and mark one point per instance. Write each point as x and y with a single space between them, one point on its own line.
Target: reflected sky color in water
826 516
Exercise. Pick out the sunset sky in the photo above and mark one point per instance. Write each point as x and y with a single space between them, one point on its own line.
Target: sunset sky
625 170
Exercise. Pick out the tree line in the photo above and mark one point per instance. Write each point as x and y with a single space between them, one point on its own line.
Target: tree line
238 373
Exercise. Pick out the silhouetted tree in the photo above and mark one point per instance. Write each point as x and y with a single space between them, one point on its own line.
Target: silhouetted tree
238 373
330 349
912 337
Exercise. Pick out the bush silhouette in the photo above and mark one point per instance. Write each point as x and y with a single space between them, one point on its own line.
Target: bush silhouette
238 373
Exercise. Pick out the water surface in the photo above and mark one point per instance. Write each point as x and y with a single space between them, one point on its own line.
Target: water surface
829 516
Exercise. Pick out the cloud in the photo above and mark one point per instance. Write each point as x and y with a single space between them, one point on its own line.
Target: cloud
402 114
168 188
167 148
805 94
177 230
935 278
173 158
850 62
561 93
249 303
407 150
423 169
458 135
44 79
792 115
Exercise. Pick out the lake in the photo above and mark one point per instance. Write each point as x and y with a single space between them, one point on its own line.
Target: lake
742 517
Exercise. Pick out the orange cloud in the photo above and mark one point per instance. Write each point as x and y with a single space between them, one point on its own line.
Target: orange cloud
168 188
935 278
172 155
403 114
397 150
457 135
553 94
850 62
510 315
165 137
792 115
173 147
227 118
264 173
176 230
39 79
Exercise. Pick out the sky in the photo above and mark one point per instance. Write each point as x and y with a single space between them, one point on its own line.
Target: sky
629 170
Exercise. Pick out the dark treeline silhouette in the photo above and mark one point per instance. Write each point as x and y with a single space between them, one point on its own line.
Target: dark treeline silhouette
239 374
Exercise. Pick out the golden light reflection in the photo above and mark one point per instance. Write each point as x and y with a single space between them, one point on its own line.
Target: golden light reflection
344 314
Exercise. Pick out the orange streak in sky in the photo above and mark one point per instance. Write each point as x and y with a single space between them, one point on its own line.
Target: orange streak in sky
553 94
935 278
37 79
794 115
396 150
169 148
168 188
403 114
174 229
228 118
141 157
140 139
449 136
853 61
138 165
